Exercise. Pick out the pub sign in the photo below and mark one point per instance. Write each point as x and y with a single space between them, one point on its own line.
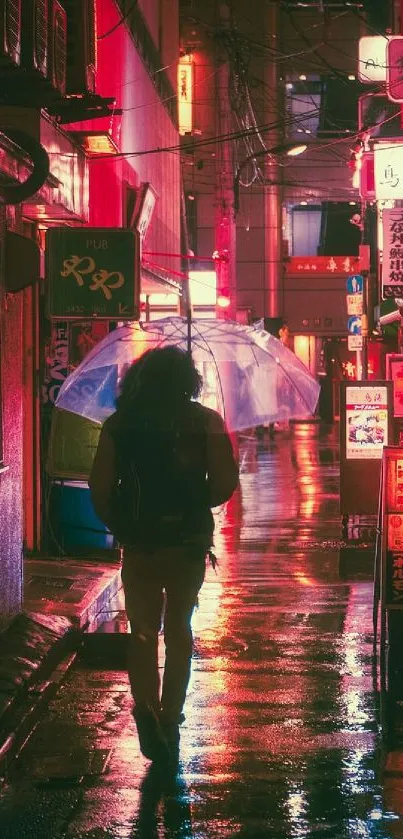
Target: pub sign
92 273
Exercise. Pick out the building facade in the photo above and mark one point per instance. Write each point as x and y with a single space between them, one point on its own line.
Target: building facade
92 83
272 78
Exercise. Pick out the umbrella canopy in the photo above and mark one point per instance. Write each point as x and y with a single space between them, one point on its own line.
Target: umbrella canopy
249 376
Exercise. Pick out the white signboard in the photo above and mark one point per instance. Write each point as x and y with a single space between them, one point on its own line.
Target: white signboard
372 58
354 342
388 160
354 304
392 266
366 422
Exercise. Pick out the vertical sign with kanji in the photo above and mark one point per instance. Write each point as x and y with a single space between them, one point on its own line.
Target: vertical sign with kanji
394 68
392 266
392 528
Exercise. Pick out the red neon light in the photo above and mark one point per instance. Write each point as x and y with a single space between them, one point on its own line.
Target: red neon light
183 256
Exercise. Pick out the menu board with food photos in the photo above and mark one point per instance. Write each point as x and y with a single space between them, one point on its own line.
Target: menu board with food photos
366 426
366 421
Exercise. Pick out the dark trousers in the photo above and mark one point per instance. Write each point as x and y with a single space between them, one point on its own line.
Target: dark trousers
161 587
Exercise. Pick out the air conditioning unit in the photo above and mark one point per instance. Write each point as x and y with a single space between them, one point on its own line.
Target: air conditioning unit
81 52
34 43
57 47
10 33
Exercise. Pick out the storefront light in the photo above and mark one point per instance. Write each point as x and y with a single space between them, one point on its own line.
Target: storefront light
100 143
223 301
95 142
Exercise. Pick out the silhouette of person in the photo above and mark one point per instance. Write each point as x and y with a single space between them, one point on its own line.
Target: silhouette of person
163 461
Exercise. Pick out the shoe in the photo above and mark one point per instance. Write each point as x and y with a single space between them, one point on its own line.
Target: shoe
172 736
153 743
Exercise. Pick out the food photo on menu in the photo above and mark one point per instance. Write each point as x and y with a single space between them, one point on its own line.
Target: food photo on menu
367 428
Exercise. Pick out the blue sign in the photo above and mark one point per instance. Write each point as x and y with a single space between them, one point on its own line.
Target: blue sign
354 325
355 284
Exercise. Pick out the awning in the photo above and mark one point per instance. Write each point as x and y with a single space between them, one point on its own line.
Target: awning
154 279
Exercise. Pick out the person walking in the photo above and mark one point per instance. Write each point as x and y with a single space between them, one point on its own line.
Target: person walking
162 462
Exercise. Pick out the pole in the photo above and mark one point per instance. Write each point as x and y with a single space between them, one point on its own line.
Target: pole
362 355
272 302
225 225
185 303
364 327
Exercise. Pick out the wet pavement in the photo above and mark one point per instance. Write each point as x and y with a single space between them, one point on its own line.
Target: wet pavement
281 737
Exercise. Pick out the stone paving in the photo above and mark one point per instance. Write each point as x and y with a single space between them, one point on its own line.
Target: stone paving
282 735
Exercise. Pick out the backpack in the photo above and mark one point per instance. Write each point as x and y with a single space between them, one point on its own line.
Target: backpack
162 495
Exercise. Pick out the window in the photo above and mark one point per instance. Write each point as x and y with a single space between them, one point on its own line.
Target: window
305 230
321 106
303 104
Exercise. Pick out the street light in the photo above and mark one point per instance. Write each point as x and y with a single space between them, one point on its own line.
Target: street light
292 150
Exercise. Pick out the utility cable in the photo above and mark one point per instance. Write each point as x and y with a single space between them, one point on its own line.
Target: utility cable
119 23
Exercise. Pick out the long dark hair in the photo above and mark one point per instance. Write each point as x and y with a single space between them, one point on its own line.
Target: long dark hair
162 378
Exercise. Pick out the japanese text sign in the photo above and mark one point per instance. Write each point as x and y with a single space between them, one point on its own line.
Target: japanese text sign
366 421
321 265
392 267
354 304
394 371
92 272
394 71
388 158
392 527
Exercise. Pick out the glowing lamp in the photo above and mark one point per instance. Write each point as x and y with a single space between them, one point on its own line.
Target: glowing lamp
95 142
294 151
99 143
223 301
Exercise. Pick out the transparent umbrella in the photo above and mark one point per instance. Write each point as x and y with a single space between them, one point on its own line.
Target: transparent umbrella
249 376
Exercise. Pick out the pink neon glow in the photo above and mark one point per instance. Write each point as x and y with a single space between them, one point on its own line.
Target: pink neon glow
121 74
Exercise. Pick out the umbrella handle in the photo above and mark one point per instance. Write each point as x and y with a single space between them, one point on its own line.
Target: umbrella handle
189 331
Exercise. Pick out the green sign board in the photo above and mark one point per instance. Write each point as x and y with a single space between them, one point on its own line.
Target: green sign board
92 273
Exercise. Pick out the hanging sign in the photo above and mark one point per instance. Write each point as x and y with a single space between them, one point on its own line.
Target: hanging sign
185 94
388 160
92 273
394 71
392 266
372 58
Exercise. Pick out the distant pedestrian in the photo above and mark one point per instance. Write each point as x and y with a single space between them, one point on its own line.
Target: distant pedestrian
163 461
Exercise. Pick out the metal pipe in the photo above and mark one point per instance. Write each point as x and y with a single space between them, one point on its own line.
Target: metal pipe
273 191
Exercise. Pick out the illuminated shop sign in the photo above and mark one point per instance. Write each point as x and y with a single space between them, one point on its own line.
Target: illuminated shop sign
185 94
388 157
372 58
92 273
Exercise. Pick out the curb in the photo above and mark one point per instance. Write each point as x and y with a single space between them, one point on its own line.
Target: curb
34 680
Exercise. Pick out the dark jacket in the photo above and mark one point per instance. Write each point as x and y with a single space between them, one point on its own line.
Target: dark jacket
208 463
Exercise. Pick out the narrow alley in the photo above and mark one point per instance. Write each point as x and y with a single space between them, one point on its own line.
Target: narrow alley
281 738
